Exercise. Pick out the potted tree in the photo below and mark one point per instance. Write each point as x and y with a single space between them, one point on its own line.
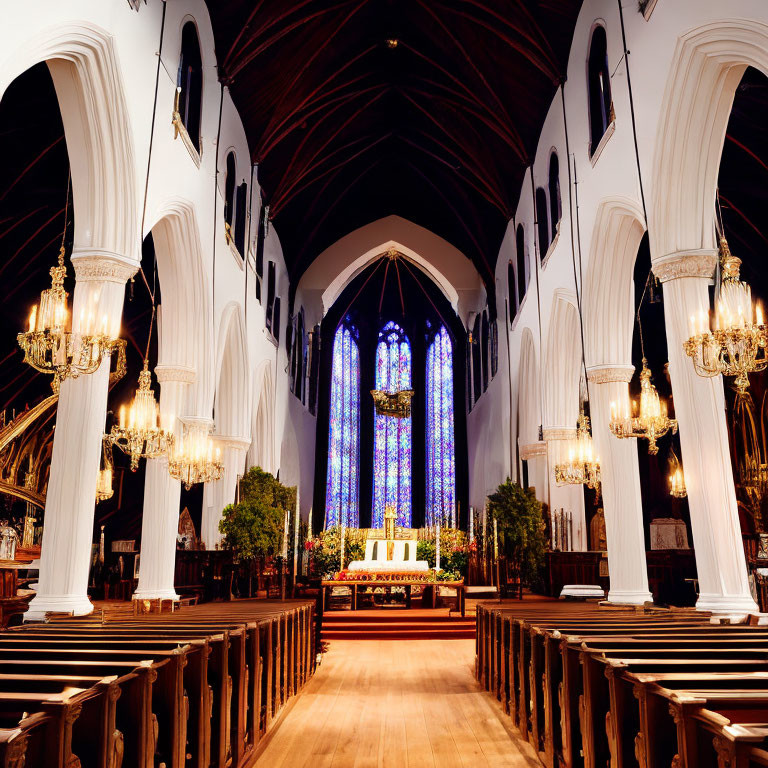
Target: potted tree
520 523
253 528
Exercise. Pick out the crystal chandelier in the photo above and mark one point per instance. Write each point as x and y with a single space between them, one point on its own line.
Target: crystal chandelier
138 432
50 348
736 344
194 458
104 485
676 478
582 467
651 422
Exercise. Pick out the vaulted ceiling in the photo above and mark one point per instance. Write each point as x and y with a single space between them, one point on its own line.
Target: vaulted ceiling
357 109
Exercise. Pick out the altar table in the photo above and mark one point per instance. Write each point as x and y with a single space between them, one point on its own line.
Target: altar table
353 584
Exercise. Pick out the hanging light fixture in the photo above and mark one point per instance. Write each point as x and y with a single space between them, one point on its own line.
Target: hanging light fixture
104 489
651 422
139 433
49 344
582 467
676 478
733 342
194 457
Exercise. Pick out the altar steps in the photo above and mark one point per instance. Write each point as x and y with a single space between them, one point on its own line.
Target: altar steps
389 624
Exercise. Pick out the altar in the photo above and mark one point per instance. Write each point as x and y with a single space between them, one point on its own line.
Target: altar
357 585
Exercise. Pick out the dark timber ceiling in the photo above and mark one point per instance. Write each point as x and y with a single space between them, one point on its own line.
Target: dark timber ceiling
348 126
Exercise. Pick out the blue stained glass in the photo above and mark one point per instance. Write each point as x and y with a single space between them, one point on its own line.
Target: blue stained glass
441 463
341 495
392 437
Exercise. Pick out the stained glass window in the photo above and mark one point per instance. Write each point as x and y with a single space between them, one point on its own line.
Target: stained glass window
392 436
441 463
341 496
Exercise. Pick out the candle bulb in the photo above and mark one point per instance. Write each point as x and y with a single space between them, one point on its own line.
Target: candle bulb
33 318
759 313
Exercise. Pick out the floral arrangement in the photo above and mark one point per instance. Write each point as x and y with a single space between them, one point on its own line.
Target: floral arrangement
455 549
324 550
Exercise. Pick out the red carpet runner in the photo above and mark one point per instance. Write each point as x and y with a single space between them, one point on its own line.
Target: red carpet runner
396 624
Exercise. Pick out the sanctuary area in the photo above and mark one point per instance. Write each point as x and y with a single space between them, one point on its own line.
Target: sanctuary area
383 383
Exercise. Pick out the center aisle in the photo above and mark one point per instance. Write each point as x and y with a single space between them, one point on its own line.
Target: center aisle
402 703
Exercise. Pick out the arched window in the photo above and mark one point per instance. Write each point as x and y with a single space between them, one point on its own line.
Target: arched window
229 196
511 291
441 462
342 503
477 376
270 294
190 81
522 283
486 348
392 436
553 187
542 222
299 351
599 88
241 204
494 347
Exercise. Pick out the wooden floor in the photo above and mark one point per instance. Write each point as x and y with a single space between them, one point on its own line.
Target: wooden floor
396 703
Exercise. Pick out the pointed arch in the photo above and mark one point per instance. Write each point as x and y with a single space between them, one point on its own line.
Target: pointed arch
392 436
83 63
342 498
609 302
563 364
231 404
184 333
262 450
708 65
529 392
441 453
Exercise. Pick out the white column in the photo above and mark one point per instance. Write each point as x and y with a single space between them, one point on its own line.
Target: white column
162 494
536 456
622 501
80 420
220 493
568 497
700 412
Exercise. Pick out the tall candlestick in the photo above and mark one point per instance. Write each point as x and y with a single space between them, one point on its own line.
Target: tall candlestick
437 548
485 525
285 535
471 523
495 538
341 546
296 536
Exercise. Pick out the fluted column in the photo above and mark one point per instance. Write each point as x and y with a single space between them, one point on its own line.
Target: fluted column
569 498
82 410
220 493
622 501
162 494
700 412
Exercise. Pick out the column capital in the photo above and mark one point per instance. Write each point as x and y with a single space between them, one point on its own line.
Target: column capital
97 264
201 422
697 262
532 450
558 433
231 441
180 373
605 374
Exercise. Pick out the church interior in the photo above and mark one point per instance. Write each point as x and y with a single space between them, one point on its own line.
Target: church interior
384 383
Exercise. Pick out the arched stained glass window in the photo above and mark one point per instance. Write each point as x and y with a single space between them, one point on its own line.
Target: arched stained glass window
392 436
441 462
341 497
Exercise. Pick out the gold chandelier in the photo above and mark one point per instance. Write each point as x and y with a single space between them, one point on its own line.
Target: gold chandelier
194 458
48 345
104 489
582 466
139 433
736 345
395 404
651 422
676 478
